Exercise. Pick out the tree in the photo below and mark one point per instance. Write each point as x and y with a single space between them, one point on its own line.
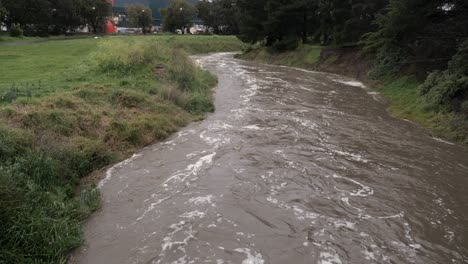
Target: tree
220 15
253 14
448 90
178 15
140 16
95 13
417 30
33 15
65 16
3 13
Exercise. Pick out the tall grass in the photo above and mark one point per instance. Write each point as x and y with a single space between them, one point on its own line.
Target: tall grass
124 93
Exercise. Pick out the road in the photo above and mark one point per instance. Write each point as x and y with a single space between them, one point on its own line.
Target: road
293 167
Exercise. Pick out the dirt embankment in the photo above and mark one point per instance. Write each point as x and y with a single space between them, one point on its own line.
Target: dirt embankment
345 61
348 61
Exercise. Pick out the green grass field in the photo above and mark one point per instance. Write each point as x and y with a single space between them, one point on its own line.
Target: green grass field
68 108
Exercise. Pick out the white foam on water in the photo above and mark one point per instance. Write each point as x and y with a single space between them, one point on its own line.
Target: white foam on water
202 200
192 169
352 156
305 123
169 242
305 89
179 135
152 207
350 83
300 213
252 127
369 255
118 165
399 215
196 153
193 214
364 191
180 260
443 141
329 258
239 171
252 257
344 223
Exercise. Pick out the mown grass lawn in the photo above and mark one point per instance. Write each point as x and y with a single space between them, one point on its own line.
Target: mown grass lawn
70 107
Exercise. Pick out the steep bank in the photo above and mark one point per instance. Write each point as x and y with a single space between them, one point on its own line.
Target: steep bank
71 107
402 93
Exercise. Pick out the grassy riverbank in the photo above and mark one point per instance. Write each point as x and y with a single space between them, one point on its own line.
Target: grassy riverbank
403 93
70 107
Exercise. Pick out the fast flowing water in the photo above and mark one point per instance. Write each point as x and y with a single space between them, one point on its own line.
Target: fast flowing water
293 167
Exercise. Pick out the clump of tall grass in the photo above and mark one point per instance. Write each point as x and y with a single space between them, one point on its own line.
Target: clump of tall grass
41 216
128 57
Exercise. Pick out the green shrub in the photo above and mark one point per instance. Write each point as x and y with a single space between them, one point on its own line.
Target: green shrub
448 90
16 31
127 57
182 71
199 103
286 44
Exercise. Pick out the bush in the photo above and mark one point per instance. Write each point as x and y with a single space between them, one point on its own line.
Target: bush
182 71
199 103
449 89
16 31
127 57
286 44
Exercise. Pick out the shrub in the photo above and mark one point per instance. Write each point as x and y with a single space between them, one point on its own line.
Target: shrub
182 71
286 44
199 103
126 57
449 89
16 31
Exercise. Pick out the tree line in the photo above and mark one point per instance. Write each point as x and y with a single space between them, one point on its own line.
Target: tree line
425 36
45 17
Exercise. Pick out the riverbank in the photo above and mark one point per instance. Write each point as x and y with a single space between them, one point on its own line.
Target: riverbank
402 93
71 107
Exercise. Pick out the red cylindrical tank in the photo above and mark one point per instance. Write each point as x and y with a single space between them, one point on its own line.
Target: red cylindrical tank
110 28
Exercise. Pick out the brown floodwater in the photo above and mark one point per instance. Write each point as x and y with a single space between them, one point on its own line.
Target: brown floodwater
293 167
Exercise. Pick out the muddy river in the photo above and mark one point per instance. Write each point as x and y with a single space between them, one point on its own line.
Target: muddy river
293 167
